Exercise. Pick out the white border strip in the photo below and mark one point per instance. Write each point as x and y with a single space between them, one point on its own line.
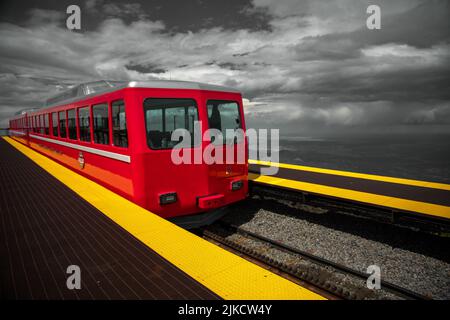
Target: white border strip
17 132
108 154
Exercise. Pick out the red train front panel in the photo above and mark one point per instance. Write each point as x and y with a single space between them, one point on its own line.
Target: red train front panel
198 186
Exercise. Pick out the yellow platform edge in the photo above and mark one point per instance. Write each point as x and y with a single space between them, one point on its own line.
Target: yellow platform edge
417 183
226 274
364 197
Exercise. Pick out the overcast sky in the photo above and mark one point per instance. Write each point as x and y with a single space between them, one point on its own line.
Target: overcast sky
305 67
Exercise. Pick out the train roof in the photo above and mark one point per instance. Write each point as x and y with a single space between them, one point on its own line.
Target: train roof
90 89
24 111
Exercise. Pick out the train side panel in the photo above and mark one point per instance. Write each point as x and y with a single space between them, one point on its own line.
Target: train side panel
108 165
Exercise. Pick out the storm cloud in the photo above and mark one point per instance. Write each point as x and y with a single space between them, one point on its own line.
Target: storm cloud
302 66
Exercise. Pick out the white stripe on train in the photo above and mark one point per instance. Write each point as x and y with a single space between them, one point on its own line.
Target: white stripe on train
108 154
19 133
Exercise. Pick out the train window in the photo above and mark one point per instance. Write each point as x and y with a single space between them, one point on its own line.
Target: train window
46 124
41 124
101 123
120 136
224 116
62 124
84 123
55 124
164 116
72 124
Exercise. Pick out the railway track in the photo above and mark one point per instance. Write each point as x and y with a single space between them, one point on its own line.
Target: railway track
314 275
340 206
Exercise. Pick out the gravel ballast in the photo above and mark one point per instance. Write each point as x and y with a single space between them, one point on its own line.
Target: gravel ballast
413 260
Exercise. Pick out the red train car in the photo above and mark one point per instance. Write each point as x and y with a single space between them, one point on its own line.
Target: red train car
119 134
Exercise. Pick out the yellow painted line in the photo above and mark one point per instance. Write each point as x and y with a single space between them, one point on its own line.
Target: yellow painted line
410 182
385 201
224 273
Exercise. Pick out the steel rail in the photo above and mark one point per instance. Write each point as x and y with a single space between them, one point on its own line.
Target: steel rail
416 221
391 287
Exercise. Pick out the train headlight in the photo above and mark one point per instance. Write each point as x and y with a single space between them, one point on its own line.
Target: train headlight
168 198
236 185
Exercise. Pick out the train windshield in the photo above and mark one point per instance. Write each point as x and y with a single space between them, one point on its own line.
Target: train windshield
164 116
225 117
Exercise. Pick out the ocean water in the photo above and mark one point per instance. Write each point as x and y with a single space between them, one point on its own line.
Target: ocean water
421 157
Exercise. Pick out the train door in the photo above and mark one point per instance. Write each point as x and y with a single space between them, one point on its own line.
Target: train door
173 180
